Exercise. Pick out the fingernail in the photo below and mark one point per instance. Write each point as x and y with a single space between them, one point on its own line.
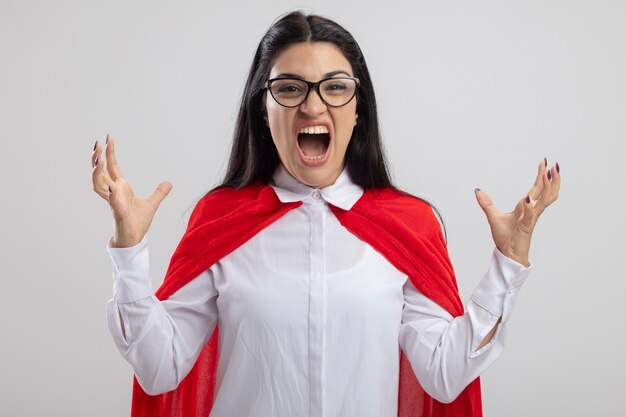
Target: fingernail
528 199
545 162
549 176
96 161
477 190
110 190
95 145
558 169
107 141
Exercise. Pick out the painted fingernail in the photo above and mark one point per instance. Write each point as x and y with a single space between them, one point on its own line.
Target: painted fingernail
549 176
545 162
96 161
107 141
558 169
110 190
477 190
95 145
528 199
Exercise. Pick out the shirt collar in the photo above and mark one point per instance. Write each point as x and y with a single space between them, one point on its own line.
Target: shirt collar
344 193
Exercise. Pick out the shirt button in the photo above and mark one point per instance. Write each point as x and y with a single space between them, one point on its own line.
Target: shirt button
317 195
511 291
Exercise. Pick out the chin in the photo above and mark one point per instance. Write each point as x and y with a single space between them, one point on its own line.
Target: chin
317 177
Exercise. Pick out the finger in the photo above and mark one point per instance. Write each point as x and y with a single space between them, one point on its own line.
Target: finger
544 201
100 179
551 192
556 183
160 193
112 191
485 203
112 167
529 215
97 151
518 211
537 188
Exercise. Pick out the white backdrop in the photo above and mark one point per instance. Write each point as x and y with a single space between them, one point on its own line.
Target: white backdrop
471 94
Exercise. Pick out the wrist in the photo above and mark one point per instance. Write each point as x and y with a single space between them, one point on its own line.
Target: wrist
522 260
119 244
125 240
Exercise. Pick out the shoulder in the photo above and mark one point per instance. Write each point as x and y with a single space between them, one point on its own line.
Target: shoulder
415 212
394 196
225 200
399 201
233 196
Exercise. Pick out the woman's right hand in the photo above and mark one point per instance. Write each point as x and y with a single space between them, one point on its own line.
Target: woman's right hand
132 215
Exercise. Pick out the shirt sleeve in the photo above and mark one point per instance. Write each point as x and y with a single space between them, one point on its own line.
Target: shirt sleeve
160 339
444 350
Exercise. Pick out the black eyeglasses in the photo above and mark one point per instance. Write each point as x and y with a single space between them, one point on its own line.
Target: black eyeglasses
292 92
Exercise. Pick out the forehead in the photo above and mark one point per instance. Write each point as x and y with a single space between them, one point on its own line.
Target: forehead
310 60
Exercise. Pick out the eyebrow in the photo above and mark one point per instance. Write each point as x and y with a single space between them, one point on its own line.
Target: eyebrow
327 75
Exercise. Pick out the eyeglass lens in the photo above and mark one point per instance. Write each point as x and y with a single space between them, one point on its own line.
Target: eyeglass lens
292 92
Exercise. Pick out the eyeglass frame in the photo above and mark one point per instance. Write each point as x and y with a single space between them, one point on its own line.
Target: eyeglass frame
311 86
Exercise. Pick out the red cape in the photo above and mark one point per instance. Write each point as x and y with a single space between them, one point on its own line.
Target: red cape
399 226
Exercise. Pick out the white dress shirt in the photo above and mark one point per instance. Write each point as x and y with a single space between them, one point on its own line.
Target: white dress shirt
311 319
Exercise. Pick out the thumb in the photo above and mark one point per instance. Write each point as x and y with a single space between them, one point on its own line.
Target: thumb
160 193
485 203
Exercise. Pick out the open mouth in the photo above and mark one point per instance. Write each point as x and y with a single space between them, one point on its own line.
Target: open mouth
313 142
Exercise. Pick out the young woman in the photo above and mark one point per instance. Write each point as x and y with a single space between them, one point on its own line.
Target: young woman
332 290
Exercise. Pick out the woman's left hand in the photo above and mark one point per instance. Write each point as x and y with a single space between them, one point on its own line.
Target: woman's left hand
512 231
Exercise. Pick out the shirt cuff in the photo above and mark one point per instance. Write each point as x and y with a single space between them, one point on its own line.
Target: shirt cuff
131 272
498 289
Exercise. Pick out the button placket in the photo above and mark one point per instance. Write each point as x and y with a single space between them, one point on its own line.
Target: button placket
316 308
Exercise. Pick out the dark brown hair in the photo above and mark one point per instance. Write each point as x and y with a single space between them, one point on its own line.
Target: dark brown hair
254 156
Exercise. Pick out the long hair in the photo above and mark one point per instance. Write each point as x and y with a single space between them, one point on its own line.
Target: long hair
254 156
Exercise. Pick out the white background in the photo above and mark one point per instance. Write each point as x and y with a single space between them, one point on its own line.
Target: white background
471 94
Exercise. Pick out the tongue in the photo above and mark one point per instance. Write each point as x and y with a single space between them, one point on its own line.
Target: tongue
313 145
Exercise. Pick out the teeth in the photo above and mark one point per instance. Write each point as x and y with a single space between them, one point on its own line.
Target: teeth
313 158
314 130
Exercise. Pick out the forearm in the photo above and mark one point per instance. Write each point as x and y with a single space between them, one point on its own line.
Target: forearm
490 335
448 353
146 338
160 339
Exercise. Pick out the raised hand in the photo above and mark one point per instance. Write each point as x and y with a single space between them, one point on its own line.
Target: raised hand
132 215
513 231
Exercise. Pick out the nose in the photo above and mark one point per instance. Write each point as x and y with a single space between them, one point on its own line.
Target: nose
313 105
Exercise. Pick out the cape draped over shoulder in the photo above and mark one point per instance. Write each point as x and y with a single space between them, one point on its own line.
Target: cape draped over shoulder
399 226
